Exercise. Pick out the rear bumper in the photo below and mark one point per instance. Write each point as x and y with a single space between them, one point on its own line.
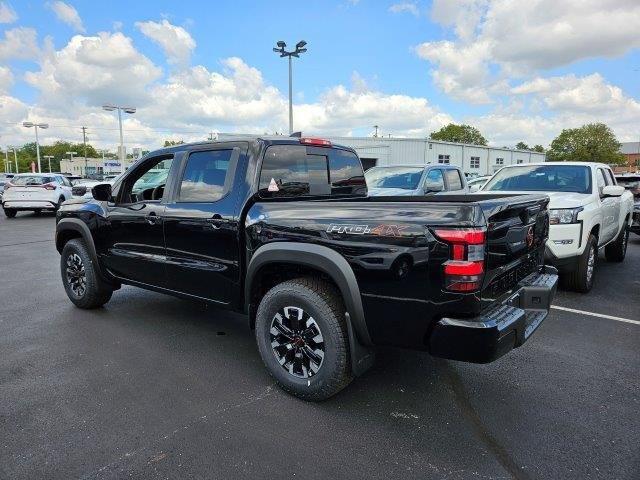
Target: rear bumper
500 328
29 204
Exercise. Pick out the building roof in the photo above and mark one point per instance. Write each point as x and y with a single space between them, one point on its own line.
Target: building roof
630 147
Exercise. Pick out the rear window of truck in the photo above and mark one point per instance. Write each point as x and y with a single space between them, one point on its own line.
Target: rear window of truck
295 170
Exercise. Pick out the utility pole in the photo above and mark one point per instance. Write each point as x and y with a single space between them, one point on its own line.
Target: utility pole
84 141
376 134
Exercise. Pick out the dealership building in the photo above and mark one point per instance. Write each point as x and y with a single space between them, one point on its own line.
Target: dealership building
473 159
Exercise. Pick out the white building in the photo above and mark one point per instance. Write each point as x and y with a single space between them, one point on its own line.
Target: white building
472 159
107 166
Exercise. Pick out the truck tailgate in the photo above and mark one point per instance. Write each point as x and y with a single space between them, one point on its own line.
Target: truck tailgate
517 230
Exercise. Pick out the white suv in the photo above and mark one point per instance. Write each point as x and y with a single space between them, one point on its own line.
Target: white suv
587 211
35 192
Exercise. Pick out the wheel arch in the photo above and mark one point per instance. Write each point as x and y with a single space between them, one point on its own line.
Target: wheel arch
315 258
70 228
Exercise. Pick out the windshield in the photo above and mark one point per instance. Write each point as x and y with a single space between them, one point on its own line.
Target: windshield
406 178
542 178
26 180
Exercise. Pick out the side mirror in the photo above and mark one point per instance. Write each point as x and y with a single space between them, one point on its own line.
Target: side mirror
102 192
430 187
612 191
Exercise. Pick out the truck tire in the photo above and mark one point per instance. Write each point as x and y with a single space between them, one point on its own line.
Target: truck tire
79 277
302 336
616 250
10 212
582 277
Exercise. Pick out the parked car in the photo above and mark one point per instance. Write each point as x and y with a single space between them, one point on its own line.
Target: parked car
282 229
476 183
632 183
35 192
4 178
415 180
588 211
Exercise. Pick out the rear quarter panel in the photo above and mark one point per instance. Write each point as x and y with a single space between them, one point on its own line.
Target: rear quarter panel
394 255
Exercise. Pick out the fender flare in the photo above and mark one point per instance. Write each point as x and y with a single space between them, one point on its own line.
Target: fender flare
338 269
79 226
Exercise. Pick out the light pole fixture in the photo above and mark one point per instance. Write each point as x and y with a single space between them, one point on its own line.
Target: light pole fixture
49 157
280 50
120 109
36 126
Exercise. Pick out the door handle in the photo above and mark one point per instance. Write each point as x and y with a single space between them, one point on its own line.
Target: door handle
152 218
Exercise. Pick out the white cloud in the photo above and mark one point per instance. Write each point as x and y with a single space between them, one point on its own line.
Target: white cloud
6 79
512 38
589 94
19 43
97 69
68 14
7 14
175 41
405 7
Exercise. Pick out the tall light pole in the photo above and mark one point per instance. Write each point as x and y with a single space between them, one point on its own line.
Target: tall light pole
280 49
120 109
36 126
15 156
7 164
49 157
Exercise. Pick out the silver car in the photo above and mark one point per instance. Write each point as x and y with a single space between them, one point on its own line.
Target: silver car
408 180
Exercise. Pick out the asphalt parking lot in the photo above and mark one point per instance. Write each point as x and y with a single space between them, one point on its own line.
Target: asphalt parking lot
156 387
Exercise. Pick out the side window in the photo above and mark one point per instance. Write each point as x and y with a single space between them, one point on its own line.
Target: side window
288 171
434 176
454 180
65 181
345 173
612 180
602 181
205 176
146 182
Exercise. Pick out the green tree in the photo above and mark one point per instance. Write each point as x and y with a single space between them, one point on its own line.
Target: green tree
171 143
522 146
459 134
594 142
538 148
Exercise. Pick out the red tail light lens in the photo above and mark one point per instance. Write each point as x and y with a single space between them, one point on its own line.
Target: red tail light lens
7 186
49 186
318 142
464 271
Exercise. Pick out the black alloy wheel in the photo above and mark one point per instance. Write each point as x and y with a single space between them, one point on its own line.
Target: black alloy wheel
76 276
297 342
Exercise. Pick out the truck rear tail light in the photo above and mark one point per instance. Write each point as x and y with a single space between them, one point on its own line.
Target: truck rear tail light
465 269
317 142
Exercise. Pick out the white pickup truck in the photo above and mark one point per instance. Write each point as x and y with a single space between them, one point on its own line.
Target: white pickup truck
588 211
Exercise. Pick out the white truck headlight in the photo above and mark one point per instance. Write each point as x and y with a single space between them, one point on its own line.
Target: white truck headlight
559 216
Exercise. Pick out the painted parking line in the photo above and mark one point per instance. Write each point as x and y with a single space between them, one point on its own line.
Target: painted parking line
593 314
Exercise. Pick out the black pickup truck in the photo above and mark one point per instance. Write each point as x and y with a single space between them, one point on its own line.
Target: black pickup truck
282 230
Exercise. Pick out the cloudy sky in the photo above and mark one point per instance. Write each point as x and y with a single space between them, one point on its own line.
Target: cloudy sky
518 70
